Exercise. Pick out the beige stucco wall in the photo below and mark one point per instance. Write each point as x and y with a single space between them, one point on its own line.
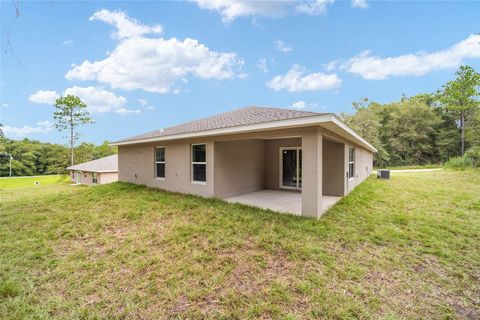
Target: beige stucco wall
239 167
86 177
229 177
272 159
107 177
333 168
136 162
363 167
136 165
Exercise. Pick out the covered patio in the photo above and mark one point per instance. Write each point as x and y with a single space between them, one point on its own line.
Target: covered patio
280 200
300 174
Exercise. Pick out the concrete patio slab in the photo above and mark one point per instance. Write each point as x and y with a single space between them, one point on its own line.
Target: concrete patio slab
279 200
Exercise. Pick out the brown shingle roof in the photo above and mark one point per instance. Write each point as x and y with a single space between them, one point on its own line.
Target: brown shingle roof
243 116
106 164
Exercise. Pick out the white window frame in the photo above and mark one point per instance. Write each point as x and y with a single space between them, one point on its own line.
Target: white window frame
94 178
194 163
351 175
164 162
280 173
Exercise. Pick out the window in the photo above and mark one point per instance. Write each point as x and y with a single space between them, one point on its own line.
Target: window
199 162
351 162
160 162
94 177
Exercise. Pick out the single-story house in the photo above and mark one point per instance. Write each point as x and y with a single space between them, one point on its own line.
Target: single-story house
286 160
99 171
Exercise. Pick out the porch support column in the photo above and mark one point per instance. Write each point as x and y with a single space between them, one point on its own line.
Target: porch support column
312 174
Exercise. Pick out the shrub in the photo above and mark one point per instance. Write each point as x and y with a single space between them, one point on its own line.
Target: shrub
474 155
459 163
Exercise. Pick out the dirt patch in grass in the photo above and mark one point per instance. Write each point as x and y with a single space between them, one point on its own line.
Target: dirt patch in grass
254 269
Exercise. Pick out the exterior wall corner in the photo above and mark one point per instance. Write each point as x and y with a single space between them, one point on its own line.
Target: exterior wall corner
312 174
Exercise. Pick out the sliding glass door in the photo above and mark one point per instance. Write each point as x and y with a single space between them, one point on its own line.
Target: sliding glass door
291 168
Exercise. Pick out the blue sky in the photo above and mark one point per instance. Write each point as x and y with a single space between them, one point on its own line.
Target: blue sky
142 66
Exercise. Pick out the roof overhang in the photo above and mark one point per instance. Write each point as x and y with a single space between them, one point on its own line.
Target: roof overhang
339 127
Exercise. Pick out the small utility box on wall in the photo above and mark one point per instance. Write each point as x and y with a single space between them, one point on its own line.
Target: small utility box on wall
383 174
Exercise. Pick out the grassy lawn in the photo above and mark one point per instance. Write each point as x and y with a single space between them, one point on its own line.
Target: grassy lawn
426 166
399 249
21 182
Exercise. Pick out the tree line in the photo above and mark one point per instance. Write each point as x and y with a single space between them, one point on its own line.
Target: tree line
428 128
31 157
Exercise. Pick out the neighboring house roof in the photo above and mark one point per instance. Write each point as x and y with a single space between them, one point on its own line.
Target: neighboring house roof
243 120
106 164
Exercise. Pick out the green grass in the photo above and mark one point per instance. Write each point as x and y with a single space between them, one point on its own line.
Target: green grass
397 249
37 181
425 166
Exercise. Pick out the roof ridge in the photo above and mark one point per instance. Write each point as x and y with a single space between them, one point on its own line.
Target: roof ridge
283 109
236 110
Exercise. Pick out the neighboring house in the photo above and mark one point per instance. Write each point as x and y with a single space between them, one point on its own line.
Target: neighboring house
100 171
285 160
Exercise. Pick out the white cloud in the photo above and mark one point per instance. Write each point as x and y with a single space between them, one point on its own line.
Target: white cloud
44 97
156 64
126 27
302 105
232 9
378 68
299 105
97 99
282 46
316 7
67 43
360 4
142 102
124 111
5 105
41 127
295 80
242 75
262 65
332 65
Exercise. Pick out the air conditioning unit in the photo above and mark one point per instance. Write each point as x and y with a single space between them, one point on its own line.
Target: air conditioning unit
383 174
